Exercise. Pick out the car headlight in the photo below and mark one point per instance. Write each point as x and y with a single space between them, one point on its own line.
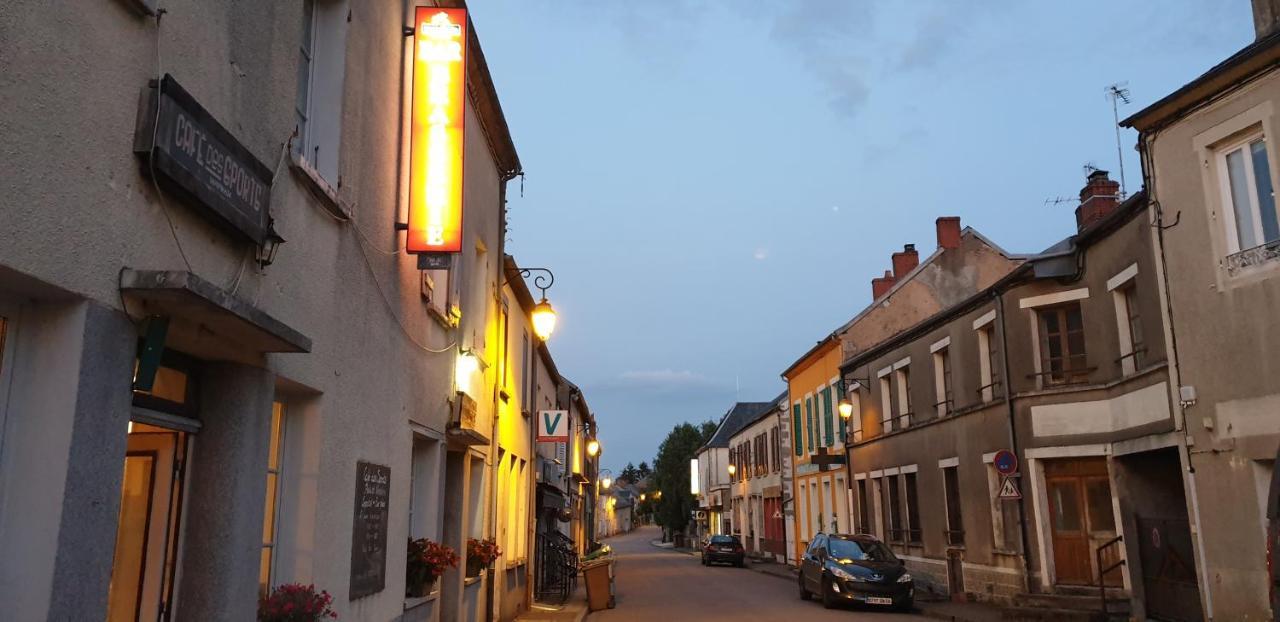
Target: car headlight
905 578
845 574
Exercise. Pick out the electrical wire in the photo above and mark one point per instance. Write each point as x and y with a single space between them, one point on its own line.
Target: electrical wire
155 130
391 309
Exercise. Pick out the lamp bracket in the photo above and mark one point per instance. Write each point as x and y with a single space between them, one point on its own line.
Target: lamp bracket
542 281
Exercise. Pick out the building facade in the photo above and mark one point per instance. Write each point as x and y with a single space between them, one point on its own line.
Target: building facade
1209 163
757 500
1062 364
715 481
251 383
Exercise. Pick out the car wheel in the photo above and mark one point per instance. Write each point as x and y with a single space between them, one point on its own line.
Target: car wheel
828 599
804 594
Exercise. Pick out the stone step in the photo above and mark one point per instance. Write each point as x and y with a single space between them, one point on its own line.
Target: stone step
1116 602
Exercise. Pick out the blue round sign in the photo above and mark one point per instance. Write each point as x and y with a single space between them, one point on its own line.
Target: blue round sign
1006 463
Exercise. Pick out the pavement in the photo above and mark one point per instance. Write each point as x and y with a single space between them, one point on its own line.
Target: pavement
664 584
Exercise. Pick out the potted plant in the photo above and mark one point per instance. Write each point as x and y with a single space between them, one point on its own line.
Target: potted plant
294 602
480 553
427 560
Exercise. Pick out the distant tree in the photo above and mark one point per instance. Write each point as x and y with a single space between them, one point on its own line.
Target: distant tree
643 470
671 474
629 474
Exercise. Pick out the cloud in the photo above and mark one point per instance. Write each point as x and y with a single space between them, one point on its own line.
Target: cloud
761 254
824 33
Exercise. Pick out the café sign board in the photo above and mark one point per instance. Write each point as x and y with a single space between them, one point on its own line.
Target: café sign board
196 156
437 115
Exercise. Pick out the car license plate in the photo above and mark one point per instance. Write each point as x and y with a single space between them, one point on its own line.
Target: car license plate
879 600
726 549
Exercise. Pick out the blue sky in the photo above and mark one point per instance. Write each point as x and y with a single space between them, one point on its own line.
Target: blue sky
715 183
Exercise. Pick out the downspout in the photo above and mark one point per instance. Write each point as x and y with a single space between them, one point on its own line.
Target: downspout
1013 438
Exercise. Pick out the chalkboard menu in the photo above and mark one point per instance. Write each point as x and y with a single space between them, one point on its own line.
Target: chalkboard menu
369 530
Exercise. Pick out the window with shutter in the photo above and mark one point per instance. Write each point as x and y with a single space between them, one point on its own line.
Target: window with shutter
826 417
798 444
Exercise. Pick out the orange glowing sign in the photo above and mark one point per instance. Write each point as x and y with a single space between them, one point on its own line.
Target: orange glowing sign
435 161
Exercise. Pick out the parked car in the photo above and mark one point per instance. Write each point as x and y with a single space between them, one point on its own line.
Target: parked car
860 569
724 549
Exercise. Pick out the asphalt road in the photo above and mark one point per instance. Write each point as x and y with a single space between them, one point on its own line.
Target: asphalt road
662 585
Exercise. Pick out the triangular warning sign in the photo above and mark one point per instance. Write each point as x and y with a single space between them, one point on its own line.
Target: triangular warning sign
1009 489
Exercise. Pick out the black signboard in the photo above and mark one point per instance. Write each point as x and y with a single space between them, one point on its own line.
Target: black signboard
197 157
369 530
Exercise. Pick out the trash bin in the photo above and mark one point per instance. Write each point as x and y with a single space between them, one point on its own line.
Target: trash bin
598 575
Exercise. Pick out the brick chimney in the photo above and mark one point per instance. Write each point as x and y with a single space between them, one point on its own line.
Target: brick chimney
882 284
1266 17
1099 197
905 261
948 232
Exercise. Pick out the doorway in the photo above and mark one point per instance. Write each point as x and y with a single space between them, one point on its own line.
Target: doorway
146 543
1082 517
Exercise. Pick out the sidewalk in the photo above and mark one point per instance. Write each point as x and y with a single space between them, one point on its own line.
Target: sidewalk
939 609
573 610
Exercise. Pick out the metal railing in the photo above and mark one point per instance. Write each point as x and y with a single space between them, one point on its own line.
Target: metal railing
1102 571
557 566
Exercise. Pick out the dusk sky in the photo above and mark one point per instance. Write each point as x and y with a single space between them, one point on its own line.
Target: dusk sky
715 183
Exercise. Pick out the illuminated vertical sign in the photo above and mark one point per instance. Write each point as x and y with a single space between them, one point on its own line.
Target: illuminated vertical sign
435 161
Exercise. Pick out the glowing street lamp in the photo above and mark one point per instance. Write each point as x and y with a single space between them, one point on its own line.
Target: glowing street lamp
593 447
543 315
733 468
846 409
606 479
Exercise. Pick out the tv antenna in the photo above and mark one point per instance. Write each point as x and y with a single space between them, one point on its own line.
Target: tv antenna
1119 92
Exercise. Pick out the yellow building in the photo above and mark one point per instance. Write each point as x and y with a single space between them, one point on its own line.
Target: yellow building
819 492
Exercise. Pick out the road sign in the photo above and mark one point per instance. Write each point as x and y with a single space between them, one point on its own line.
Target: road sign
1009 488
553 426
1006 463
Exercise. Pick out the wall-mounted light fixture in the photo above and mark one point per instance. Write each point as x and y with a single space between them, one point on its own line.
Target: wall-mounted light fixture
543 315
733 468
465 367
593 447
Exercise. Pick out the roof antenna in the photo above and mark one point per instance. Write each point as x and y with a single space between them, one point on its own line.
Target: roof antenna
1119 93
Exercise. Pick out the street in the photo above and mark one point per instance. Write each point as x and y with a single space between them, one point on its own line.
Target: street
662 584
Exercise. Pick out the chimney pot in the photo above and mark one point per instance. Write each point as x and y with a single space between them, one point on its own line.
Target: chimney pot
1266 17
882 284
1099 197
948 232
905 261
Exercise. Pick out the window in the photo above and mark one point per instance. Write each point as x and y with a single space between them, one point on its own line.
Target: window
896 532
942 381
322 61
860 551
864 514
1004 515
1250 215
1132 347
902 378
828 424
886 404
809 421
951 494
988 372
1062 353
271 511
775 444
913 509
795 428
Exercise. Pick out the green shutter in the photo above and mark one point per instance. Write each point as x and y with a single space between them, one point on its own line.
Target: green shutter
809 419
844 423
795 428
826 415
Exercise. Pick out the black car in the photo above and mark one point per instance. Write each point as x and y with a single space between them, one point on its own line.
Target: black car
724 549
856 569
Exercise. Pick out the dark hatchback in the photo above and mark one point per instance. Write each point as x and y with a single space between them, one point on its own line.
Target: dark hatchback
725 550
855 569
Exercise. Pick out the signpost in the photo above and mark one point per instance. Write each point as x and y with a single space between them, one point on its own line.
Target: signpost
1009 488
1006 462
553 426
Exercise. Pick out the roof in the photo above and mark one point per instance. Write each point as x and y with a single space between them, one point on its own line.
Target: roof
1031 269
899 284
740 416
1258 57
778 402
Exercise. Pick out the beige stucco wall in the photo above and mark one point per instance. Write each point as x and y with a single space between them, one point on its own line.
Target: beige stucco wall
76 210
1227 336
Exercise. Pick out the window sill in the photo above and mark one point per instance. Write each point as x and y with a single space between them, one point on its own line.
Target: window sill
516 563
1006 552
324 193
410 603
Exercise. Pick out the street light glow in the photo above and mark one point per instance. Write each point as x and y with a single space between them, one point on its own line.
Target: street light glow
544 320
733 468
593 447
846 409
606 482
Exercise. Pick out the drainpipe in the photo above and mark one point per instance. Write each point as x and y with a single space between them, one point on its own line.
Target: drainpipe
1013 438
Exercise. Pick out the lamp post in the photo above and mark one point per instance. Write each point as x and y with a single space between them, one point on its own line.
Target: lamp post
543 315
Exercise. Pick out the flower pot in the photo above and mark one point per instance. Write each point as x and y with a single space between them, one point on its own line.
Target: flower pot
419 589
475 567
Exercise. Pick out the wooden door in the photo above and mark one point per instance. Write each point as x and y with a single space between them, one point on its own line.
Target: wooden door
1080 517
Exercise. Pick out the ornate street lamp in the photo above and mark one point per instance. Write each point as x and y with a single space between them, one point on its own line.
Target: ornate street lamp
593 447
846 409
606 480
543 315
